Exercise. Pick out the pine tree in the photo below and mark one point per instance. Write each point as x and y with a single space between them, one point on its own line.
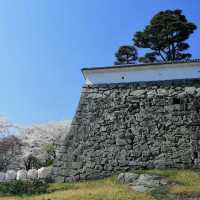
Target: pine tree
126 55
166 37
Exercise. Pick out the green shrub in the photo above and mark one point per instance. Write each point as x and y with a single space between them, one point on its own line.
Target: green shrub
23 187
32 162
49 154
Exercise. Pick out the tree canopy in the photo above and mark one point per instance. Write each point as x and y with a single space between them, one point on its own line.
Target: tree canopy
126 54
166 37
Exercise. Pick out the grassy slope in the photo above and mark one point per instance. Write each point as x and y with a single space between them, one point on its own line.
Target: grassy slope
189 181
109 189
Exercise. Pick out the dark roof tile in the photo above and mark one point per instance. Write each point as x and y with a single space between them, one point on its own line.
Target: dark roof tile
141 64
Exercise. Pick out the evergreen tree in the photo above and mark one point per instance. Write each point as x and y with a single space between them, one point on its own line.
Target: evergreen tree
126 55
166 36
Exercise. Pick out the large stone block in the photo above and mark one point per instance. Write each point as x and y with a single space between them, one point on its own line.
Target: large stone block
127 177
121 142
137 93
22 175
11 175
44 172
32 174
148 180
77 165
2 177
190 90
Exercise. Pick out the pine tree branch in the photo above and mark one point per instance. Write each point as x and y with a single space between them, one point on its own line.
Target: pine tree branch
160 54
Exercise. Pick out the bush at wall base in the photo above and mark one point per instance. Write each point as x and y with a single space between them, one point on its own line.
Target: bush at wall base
19 187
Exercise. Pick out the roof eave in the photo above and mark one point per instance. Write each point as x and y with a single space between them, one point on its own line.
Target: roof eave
140 65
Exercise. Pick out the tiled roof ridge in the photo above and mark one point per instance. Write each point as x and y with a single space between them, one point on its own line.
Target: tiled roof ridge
176 61
144 64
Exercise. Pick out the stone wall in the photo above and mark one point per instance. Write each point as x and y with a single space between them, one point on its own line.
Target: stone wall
118 127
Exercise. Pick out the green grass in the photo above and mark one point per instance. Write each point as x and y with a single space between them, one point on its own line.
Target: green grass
106 189
188 181
188 184
185 177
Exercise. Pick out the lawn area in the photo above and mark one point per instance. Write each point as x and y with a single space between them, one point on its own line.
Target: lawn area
189 181
188 184
106 189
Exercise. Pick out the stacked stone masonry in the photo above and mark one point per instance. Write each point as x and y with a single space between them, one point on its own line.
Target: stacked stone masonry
118 127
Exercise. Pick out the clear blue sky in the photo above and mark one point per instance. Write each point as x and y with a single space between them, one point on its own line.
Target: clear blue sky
45 43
